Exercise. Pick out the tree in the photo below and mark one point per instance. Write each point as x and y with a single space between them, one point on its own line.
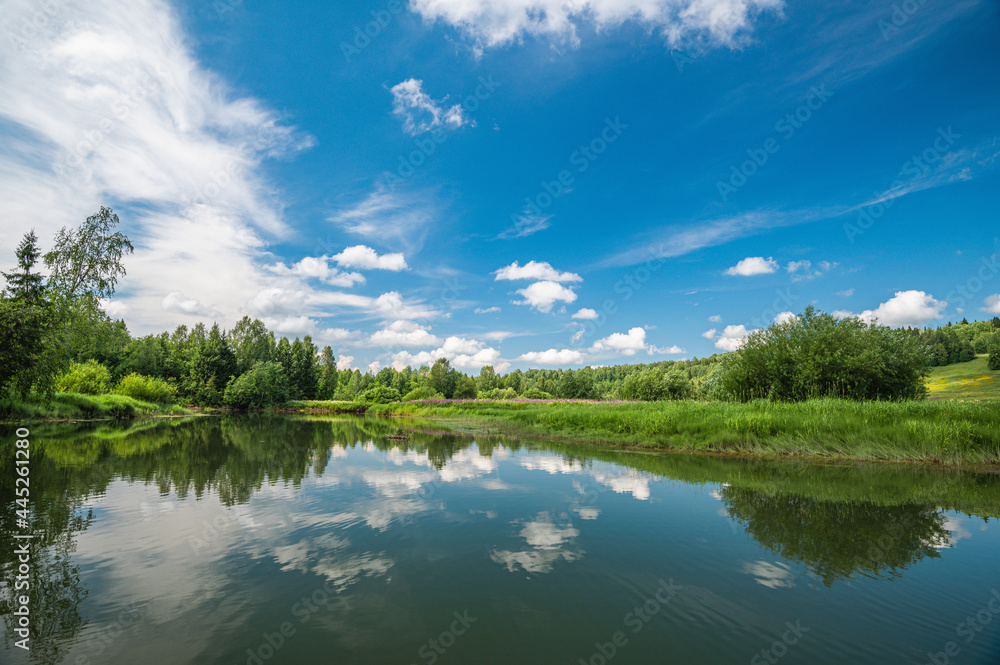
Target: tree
488 379
327 374
251 343
211 370
657 383
994 360
87 262
264 384
25 319
443 378
819 355
465 388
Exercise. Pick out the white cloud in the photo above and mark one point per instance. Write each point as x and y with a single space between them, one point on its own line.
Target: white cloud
732 338
404 333
715 318
626 344
535 270
319 268
420 113
464 354
389 216
526 225
906 308
113 308
784 317
489 24
345 362
542 295
374 366
709 334
800 270
553 357
488 310
362 256
846 293
992 304
796 266
753 265
175 301
108 103
586 314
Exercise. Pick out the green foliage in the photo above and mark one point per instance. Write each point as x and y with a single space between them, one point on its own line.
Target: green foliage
656 384
379 394
89 378
499 393
87 261
443 378
465 388
994 360
818 355
264 384
422 392
535 393
327 374
251 343
145 388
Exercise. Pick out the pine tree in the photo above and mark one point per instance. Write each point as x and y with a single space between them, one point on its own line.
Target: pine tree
21 282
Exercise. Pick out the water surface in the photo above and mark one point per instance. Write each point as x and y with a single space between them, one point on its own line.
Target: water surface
321 540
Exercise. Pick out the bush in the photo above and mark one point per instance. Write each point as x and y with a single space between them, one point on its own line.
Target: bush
994 361
379 394
535 393
422 392
656 384
89 378
145 388
465 388
499 393
264 384
818 355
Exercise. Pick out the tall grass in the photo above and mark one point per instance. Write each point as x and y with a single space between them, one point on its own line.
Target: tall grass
947 432
64 406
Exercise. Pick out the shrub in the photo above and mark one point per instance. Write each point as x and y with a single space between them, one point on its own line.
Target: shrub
656 384
465 388
535 393
994 361
145 388
499 393
422 392
379 394
263 384
89 378
818 355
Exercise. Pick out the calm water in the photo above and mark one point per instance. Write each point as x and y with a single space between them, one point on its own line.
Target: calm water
300 541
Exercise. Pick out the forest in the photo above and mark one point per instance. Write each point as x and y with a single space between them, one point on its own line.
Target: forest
57 339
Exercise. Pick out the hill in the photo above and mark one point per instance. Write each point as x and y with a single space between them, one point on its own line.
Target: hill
968 380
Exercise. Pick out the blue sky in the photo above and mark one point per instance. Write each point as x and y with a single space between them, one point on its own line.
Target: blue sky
522 184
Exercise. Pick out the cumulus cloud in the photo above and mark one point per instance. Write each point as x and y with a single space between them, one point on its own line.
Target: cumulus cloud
586 314
488 310
800 270
906 308
710 333
420 113
175 301
753 265
345 362
553 357
715 318
630 343
364 257
992 304
846 293
543 295
785 317
404 333
318 268
732 338
535 270
464 354
711 22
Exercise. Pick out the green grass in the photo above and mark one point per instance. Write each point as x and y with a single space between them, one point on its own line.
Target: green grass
325 406
971 380
69 406
950 432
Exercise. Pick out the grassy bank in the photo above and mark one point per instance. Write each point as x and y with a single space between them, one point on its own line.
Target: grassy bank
70 406
952 432
971 380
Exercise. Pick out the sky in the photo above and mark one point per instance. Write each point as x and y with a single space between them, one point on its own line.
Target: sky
526 183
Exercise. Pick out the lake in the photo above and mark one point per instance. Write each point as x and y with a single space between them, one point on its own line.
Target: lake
303 540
